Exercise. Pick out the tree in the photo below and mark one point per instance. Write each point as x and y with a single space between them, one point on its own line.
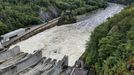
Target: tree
3 28
67 18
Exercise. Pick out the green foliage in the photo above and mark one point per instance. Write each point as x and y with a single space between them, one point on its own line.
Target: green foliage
77 7
67 18
17 14
22 13
112 45
3 28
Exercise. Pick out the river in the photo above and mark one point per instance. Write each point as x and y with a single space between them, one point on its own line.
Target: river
68 39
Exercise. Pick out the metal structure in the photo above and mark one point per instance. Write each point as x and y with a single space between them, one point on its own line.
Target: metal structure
13 34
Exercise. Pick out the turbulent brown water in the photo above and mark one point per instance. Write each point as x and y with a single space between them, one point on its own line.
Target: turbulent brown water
68 39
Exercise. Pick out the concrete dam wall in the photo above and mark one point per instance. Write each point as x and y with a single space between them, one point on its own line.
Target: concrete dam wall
21 63
7 54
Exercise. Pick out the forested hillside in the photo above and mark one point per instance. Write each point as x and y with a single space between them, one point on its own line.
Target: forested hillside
126 2
111 47
15 14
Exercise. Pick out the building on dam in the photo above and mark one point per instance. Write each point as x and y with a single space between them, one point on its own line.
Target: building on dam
13 34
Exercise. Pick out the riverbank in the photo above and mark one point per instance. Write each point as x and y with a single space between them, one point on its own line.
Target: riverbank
89 14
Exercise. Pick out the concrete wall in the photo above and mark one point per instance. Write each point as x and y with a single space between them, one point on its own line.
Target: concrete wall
22 64
8 71
59 67
29 61
4 55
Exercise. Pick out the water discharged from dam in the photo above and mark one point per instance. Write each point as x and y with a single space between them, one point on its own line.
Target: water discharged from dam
69 39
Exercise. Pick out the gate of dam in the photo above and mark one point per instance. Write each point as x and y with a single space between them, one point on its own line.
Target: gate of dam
15 62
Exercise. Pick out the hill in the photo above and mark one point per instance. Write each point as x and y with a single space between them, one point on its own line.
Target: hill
16 14
110 50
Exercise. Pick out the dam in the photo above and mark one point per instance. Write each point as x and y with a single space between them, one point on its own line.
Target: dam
15 62
68 39
50 49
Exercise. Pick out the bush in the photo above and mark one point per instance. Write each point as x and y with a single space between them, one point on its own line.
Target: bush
67 18
3 28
